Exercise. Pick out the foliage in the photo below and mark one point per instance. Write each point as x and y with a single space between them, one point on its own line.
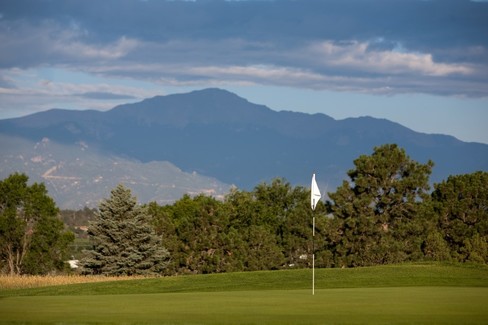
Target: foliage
461 207
378 214
195 231
75 220
124 241
32 238
268 228
384 214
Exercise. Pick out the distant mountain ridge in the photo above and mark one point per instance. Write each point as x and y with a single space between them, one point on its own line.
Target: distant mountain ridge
218 134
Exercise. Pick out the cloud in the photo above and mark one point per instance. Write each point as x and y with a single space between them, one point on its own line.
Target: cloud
26 45
46 88
356 55
105 95
31 91
6 82
348 66
72 49
362 46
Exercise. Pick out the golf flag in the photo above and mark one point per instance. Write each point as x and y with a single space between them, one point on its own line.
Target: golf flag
315 197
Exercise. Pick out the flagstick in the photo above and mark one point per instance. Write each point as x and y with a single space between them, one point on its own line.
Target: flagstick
314 198
313 255
313 274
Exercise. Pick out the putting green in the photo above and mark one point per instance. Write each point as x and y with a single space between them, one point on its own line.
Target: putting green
392 305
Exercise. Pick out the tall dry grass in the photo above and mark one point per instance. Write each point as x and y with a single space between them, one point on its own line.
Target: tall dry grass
34 281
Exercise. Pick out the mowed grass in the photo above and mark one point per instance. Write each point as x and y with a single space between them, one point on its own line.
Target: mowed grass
408 305
398 294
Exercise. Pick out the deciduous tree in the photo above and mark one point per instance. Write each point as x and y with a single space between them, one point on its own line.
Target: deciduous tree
32 238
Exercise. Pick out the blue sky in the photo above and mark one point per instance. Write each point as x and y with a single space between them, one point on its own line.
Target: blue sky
421 63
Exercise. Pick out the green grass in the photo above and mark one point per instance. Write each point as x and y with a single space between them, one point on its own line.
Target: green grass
397 294
404 275
410 305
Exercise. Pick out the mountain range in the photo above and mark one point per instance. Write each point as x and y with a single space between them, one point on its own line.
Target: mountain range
204 142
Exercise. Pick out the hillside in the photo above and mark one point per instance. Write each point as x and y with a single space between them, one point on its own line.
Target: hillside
79 175
220 135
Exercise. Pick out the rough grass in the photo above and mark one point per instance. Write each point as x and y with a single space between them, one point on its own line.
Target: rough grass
36 281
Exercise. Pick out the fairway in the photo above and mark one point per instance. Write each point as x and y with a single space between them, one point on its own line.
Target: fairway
395 294
417 305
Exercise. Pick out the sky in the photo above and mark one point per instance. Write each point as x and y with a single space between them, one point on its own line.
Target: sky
421 63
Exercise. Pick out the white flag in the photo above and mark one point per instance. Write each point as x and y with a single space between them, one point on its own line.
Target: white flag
315 197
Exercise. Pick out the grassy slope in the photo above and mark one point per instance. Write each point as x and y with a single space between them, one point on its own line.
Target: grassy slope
380 276
400 294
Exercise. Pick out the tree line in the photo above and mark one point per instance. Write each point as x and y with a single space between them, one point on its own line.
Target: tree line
384 213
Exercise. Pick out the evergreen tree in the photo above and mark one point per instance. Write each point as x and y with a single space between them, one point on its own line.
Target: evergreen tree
378 215
124 242
461 206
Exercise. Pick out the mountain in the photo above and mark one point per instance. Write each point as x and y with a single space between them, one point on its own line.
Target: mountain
218 134
78 175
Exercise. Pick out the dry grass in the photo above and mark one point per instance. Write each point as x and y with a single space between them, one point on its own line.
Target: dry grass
32 281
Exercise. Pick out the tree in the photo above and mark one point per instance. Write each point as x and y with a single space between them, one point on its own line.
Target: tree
202 228
164 225
124 242
377 214
288 212
75 220
257 221
32 238
267 228
461 206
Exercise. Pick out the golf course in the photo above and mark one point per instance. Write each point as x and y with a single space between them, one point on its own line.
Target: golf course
426 293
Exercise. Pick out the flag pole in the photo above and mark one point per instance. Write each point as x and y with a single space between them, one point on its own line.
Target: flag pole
313 253
314 199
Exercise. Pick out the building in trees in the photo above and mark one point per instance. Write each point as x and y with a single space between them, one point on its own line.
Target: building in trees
124 241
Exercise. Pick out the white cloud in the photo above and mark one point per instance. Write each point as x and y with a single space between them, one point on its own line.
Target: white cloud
357 56
72 48
263 73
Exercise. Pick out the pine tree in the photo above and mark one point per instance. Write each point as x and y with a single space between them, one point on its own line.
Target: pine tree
124 243
378 213
461 206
